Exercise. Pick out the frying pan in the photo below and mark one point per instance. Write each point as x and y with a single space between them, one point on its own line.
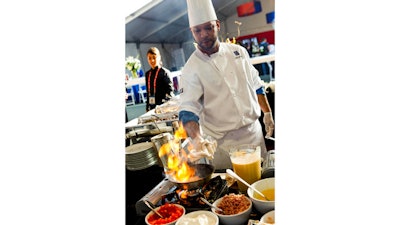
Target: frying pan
203 172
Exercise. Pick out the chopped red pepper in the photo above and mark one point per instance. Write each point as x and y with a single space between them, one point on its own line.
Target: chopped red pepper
170 212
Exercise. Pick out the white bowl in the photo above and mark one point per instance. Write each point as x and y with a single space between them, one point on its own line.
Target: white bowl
262 206
201 217
268 218
235 219
151 213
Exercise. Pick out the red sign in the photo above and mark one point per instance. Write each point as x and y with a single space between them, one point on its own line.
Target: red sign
249 8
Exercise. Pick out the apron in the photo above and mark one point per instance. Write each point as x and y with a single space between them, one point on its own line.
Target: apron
250 134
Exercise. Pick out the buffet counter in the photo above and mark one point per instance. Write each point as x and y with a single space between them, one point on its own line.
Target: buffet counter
219 185
262 59
162 119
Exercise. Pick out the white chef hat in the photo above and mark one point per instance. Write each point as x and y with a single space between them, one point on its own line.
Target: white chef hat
200 11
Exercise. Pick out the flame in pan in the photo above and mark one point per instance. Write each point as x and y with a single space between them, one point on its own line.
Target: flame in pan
177 162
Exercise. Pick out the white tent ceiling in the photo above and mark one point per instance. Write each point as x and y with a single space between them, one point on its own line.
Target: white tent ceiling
166 21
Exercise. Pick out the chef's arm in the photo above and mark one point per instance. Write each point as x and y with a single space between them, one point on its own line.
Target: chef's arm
266 109
262 100
190 123
202 148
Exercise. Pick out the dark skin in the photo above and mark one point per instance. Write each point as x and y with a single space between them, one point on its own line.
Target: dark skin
206 36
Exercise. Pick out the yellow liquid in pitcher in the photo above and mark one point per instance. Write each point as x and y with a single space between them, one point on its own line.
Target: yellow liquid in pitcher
248 168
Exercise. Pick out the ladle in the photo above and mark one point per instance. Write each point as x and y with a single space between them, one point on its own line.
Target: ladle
230 172
152 208
211 205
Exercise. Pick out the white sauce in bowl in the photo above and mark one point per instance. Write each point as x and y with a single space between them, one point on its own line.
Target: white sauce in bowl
198 218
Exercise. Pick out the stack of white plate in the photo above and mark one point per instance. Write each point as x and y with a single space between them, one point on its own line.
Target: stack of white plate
140 156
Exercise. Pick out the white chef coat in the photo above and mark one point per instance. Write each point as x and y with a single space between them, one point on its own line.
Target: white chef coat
227 82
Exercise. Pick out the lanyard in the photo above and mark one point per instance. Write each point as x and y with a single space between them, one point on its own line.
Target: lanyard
154 83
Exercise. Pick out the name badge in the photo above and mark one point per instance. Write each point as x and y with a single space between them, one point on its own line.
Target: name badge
152 100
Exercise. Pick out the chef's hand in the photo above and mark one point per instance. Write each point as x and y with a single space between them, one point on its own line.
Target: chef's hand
269 124
202 148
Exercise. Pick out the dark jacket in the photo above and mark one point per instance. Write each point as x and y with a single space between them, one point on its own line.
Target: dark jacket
163 85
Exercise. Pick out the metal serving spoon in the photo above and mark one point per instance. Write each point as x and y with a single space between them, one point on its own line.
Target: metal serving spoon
211 205
152 208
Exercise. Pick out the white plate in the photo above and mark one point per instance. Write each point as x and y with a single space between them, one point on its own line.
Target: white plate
139 147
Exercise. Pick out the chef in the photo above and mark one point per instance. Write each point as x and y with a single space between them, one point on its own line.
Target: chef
222 95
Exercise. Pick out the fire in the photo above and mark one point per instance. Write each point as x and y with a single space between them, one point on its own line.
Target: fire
180 133
185 172
176 158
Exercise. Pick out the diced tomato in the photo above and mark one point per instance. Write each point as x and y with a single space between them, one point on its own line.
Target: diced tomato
170 212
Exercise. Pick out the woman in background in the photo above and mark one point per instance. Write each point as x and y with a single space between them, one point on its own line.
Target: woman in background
158 83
